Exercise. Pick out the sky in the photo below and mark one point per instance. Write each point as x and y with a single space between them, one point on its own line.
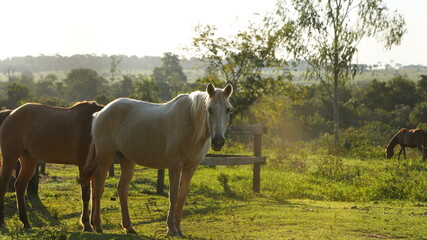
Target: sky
151 28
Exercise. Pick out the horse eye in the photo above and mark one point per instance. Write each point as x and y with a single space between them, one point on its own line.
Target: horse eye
210 110
228 110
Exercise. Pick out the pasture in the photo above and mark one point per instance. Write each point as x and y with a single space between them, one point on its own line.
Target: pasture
305 194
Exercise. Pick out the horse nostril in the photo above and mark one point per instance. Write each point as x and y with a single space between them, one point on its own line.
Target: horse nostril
218 141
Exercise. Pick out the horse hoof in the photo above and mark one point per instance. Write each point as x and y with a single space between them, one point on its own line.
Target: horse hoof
172 233
131 230
27 226
87 229
99 230
2 225
181 234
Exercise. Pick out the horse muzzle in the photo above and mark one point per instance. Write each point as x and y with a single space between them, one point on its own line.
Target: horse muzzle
217 143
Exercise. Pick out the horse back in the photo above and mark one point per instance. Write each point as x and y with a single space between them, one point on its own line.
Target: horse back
47 133
411 137
144 132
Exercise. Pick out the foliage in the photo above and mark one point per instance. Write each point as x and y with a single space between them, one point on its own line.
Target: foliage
240 60
170 72
326 35
242 55
83 84
115 61
17 93
145 90
419 113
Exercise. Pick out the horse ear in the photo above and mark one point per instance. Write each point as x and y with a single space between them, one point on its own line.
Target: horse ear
228 90
210 89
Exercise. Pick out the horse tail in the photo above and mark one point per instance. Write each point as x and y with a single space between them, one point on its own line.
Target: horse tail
90 166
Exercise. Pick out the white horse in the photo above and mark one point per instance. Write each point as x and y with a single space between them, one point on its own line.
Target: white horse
175 135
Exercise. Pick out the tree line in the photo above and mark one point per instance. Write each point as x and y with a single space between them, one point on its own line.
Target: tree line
291 111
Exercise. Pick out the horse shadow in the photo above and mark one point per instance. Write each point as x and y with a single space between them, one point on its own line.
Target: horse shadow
39 214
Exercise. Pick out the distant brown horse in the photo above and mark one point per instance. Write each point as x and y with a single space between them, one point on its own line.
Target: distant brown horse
36 132
413 138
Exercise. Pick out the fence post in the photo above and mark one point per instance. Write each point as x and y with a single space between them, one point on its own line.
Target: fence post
160 181
111 171
257 166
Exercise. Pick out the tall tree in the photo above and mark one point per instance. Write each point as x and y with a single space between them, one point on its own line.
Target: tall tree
115 61
171 71
236 57
326 34
240 60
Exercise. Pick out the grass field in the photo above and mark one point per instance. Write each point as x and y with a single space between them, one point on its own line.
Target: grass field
302 197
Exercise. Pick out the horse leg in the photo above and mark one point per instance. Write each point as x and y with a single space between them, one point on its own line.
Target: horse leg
400 152
127 169
98 189
420 149
6 171
186 176
174 182
28 168
85 188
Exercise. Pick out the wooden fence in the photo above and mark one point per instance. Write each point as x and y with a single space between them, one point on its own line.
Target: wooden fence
221 159
210 159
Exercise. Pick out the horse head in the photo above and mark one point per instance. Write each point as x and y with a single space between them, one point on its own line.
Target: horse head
389 152
219 107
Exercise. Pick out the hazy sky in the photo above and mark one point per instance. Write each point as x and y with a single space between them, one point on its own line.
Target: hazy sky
151 28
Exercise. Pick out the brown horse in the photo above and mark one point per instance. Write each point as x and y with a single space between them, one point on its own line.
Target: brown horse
413 138
3 115
36 132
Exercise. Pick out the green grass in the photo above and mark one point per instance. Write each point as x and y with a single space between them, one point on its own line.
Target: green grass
303 196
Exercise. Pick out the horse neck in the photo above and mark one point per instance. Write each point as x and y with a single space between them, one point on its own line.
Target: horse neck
393 142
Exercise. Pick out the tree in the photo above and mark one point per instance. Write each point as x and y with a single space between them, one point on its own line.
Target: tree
170 72
245 54
240 60
115 61
326 35
145 90
419 114
125 89
422 88
83 84
16 92
402 92
10 74
27 78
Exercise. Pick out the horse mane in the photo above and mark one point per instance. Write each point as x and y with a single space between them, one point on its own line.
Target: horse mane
83 102
393 141
199 100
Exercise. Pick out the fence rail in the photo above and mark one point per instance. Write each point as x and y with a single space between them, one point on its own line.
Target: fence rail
224 159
